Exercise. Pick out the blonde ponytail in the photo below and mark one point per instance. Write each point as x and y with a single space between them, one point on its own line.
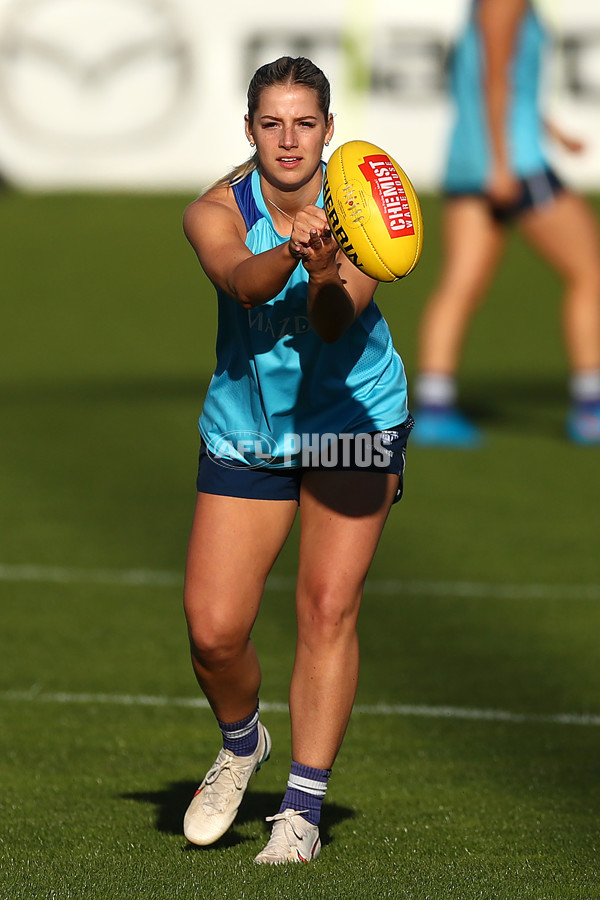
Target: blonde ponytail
237 174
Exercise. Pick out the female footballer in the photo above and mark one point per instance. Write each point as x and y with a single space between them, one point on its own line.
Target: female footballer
306 376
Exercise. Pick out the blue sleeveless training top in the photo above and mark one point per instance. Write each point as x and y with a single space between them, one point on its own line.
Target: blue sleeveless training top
468 158
276 378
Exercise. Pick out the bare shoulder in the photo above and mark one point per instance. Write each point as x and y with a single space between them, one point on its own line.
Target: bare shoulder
216 208
215 227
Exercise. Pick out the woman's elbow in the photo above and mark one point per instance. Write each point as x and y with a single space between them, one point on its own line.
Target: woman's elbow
245 298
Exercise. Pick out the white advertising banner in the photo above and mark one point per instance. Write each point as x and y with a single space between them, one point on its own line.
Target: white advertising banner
151 94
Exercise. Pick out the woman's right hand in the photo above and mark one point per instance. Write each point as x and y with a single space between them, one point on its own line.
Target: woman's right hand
503 187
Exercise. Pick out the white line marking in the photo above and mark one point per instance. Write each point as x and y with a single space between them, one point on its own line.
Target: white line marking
65 575
35 695
390 586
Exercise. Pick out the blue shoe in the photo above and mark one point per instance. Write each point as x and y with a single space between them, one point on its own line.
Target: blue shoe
444 427
583 424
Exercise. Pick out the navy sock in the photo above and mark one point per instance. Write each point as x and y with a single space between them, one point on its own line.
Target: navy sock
306 789
241 737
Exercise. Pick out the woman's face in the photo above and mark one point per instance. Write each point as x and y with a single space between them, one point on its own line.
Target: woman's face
289 131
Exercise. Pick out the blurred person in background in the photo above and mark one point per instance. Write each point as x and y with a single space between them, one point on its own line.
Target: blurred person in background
497 174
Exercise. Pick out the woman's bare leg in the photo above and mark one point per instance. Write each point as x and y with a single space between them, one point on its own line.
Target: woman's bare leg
342 516
473 243
233 545
565 234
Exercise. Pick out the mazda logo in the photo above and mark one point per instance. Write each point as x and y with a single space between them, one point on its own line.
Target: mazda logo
93 72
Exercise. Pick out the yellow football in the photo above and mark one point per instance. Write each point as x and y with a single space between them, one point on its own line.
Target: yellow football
373 211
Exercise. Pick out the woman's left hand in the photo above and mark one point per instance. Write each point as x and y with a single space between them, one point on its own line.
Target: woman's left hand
338 291
569 143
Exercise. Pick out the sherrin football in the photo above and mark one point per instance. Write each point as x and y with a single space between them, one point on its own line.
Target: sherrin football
373 210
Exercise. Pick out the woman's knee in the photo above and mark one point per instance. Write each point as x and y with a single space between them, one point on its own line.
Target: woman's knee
215 643
583 280
325 614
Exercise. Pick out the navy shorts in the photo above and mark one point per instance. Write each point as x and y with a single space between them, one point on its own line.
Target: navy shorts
536 191
235 479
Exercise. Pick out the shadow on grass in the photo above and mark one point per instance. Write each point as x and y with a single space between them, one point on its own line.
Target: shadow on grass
172 802
526 404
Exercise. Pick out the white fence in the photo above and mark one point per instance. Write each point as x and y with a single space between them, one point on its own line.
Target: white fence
150 94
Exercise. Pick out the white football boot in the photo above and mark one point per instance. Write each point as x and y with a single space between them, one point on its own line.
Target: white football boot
216 802
293 839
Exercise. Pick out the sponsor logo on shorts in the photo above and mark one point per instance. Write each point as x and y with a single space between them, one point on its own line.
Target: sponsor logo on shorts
329 450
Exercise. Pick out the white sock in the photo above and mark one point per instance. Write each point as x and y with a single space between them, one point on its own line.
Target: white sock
584 387
435 389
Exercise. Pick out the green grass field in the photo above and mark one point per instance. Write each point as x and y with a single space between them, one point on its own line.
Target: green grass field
471 765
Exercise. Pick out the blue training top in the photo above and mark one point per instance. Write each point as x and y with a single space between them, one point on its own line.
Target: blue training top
468 160
276 378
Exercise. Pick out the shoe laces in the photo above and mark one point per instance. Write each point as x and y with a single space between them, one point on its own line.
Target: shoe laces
280 838
223 779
